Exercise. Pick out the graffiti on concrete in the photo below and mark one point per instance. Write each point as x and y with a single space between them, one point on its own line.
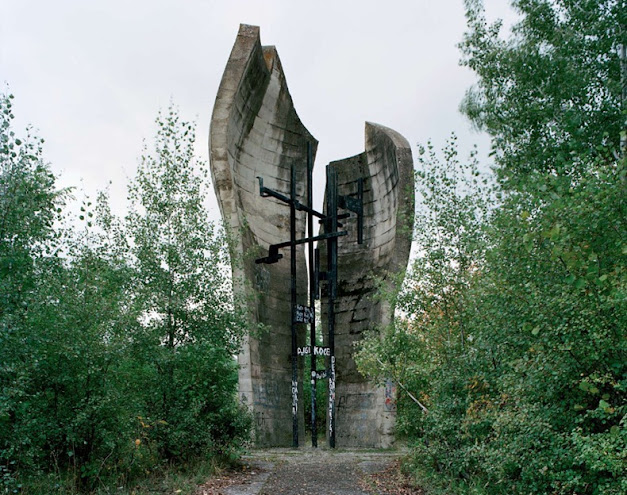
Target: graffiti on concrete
256 132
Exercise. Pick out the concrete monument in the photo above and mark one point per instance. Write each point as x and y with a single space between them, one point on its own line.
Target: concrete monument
255 132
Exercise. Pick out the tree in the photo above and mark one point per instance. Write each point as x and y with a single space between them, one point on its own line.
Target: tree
551 95
553 99
62 314
29 203
515 315
116 338
81 371
428 349
551 319
189 329
512 333
28 208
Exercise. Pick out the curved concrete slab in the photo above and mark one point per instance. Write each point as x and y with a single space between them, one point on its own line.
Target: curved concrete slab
365 412
255 131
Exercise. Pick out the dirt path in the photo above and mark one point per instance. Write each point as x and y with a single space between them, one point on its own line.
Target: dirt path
311 472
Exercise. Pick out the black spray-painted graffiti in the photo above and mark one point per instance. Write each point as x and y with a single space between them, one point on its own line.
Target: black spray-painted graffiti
355 402
262 278
260 419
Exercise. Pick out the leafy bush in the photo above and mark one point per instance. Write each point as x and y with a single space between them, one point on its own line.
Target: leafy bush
512 332
514 313
116 337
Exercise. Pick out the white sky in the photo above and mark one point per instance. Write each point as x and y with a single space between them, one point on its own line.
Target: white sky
91 75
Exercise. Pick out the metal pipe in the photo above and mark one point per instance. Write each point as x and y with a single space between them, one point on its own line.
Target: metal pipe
312 295
293 297
332 284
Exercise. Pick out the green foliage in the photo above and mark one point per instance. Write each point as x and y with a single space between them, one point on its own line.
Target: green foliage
514 314
189 329
550 95
28 210
556 275
321 388
77 414
513 333
117 337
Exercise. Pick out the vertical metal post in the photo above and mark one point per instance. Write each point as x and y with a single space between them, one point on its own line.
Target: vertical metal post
312 294
332 284
293 295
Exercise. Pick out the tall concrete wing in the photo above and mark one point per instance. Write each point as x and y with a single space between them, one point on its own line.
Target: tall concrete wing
255 132
365 411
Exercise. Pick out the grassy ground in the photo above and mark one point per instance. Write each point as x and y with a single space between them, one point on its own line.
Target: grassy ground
183 480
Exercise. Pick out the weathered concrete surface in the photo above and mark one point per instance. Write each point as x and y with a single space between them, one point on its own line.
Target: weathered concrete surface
255 131
365 412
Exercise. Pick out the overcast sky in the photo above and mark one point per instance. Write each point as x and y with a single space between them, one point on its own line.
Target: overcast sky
91 75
